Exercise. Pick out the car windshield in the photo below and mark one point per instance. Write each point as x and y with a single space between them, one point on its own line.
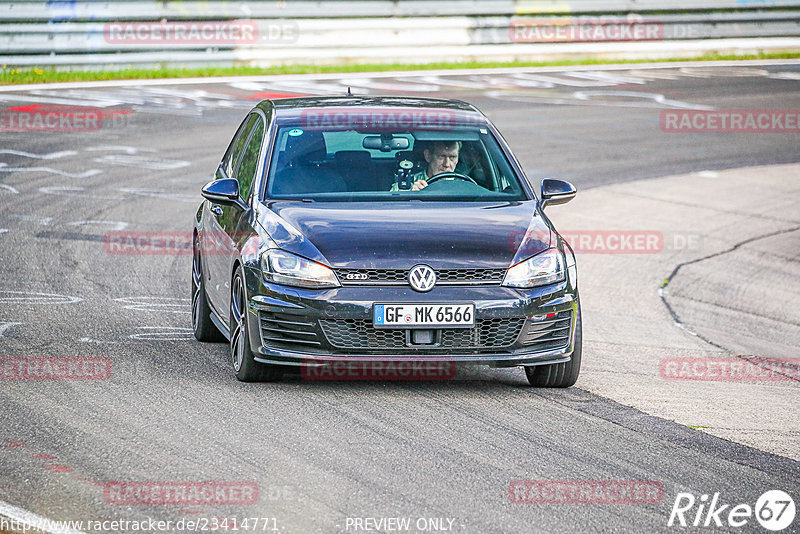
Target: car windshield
314 162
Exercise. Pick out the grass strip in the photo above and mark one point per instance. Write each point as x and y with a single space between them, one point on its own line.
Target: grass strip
10 75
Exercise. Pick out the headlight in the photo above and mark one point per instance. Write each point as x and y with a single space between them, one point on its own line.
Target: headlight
544 268
286 268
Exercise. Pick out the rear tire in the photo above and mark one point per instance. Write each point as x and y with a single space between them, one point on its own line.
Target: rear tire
559 375
244 364
203 327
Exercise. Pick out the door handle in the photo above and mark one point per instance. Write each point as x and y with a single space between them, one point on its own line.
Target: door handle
216 210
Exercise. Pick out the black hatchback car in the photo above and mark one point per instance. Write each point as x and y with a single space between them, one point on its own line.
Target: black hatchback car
382 230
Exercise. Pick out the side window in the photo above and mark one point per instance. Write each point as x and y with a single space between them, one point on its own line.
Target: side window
247 168
234 150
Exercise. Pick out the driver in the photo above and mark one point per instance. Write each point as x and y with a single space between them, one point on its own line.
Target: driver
442 156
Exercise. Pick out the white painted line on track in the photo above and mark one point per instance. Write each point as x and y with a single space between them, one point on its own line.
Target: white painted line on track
44 221
29 297
156 304
51 155
42 524
69 191
154 193
142 162
392 74
117 225
92 340
640 99
116 148
85 174
38 99
163 333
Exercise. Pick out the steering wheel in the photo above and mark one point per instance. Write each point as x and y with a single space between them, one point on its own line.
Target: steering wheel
450 174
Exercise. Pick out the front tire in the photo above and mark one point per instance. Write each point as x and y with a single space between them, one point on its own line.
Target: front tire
244 364
559 375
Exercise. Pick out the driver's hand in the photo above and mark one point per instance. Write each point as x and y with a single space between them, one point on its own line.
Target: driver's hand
419 184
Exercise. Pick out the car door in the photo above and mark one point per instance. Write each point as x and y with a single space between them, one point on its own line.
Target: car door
214 240
235 222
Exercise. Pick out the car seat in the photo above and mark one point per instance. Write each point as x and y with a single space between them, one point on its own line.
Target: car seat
303 167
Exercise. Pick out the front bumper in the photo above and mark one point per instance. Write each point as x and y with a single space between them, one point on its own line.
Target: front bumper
293 327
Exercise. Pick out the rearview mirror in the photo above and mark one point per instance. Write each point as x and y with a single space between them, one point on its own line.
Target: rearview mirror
225 191
556 192
384 142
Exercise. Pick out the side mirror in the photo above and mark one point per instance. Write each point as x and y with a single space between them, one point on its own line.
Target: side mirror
555 192
225 191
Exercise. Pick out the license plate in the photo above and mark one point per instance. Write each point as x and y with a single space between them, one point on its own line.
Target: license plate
423 315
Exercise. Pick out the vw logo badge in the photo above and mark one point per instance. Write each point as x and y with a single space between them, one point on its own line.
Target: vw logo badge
422 278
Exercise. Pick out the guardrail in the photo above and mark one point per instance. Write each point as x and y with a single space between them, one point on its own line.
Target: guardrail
104 34
62 10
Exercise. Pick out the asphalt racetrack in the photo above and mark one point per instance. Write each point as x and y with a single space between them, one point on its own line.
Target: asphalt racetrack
304 456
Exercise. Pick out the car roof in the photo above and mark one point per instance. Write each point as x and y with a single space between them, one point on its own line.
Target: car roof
317 102
288 109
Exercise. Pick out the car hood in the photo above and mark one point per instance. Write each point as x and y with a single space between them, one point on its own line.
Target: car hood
400 235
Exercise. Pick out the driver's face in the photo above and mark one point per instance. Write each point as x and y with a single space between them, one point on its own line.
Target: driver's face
441 159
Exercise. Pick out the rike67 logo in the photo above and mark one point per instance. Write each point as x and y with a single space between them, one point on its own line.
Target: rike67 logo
774 510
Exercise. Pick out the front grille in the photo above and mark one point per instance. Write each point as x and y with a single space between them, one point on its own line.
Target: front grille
366 277
490 333
359 334
471 275
288 331
548 332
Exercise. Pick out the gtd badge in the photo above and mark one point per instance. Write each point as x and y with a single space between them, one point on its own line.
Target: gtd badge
356 276
422 278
